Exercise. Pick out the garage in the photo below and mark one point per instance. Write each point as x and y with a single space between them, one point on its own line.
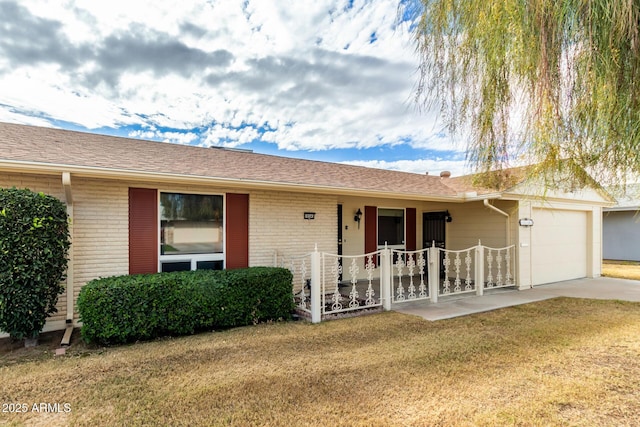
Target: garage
559 245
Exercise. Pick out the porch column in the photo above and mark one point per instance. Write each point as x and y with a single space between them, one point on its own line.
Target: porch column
385 277
594 242
434 272
66 183
479 269
316 300
523 248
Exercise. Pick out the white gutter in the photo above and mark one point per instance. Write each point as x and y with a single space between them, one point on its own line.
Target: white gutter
125 174
501 212
68 194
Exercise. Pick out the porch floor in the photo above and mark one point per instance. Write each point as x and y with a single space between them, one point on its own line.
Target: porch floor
462 305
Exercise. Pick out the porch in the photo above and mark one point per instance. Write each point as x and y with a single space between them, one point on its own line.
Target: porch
330 285
605 288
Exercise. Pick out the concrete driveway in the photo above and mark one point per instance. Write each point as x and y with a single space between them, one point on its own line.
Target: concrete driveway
599 288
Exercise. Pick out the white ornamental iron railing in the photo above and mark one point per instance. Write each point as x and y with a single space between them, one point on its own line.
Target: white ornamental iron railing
342 288
327 284
411 269
500 267
300 268
459 275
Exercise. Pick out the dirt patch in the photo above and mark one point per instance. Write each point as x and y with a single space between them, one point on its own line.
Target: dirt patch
12 350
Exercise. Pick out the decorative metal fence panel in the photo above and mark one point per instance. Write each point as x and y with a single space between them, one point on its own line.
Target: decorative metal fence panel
329 284
410 268
500 267
458 271
300 267
349 282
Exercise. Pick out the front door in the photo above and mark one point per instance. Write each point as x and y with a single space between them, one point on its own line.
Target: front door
433 229
433 232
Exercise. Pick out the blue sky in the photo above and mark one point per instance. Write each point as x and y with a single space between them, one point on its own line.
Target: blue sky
325 79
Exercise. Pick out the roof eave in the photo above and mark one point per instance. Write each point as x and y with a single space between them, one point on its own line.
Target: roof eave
622 209
156 177
519 196
473 196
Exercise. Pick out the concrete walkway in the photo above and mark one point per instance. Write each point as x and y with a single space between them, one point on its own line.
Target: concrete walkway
599 288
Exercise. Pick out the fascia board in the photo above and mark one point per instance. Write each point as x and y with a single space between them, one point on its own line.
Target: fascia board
622 209
530 197
156 177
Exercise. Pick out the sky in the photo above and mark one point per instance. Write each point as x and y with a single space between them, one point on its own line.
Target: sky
330 80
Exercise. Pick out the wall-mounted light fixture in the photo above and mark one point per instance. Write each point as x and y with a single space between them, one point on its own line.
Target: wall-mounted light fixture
309 215
525 222
448 217
357 217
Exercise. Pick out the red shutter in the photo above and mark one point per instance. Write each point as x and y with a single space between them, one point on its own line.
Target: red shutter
371 230
143 230
410 238
237 231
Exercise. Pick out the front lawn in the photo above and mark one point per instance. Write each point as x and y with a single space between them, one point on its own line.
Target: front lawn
557 362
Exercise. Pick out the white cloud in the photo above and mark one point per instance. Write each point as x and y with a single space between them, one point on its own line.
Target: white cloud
10 116
229 137
184 138
46 92
421 166
319 75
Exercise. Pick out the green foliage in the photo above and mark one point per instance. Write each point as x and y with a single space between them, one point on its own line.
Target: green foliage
139 307
539 81
34 242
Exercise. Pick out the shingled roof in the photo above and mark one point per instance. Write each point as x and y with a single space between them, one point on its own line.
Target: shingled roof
92 154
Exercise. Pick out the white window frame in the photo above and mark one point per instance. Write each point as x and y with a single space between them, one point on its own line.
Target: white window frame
193 258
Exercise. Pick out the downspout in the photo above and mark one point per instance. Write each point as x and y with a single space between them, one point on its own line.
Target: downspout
501 212
66 183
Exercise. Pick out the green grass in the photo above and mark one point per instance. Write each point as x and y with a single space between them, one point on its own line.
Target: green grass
557 362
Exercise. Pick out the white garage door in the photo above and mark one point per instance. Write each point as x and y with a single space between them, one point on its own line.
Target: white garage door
558 245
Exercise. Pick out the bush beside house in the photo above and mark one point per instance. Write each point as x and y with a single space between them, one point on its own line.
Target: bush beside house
34 242
139 307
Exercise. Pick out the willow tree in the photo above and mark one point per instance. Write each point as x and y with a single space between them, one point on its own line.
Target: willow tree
549 82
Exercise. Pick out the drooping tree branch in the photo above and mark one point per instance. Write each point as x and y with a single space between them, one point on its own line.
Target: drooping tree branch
536 81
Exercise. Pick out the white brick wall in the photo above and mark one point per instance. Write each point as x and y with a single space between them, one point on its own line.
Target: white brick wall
99 226
276 223
100 230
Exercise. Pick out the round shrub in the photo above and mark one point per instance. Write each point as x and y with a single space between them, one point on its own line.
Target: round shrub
34 242
122 309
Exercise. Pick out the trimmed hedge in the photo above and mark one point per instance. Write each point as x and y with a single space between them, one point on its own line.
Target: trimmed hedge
140 307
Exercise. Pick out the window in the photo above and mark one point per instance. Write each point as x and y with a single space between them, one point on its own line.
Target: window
391 227
191 231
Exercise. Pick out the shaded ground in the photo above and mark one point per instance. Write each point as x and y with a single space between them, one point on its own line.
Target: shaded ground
14 351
